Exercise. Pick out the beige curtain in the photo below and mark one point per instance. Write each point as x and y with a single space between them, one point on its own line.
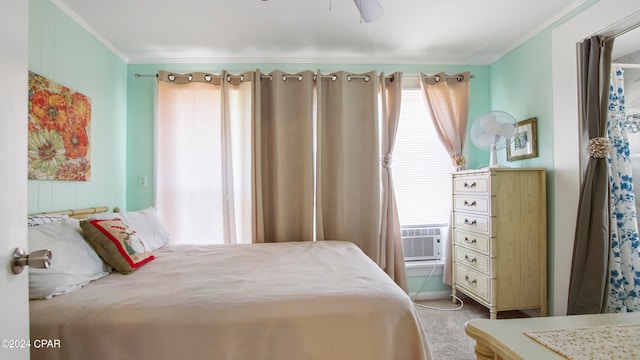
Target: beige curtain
282 162
196 161
348 164
590 264
447 99
391 251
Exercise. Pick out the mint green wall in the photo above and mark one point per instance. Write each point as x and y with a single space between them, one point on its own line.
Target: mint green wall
426 284
140 92
64 52
521 85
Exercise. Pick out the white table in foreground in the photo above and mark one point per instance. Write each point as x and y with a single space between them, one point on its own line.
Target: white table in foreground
504 339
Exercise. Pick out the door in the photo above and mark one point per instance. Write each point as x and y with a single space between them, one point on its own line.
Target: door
14 303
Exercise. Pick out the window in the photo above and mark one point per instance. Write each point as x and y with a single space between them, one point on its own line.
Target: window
190 194
196 167
421 166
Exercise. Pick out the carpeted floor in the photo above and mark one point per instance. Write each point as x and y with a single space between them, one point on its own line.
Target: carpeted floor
445 329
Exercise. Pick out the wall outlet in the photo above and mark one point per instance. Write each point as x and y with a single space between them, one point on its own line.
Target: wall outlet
143 182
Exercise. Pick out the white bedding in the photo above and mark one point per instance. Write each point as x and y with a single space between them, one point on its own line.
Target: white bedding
321 300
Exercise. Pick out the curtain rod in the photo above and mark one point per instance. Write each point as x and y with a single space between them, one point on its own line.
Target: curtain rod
366 77
417 76
264 76
284 77
628 66
408 75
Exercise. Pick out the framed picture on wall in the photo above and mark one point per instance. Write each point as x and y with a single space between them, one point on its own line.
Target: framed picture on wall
59 123
524 144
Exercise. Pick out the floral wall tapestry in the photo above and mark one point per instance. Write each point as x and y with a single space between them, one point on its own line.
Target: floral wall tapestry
59 120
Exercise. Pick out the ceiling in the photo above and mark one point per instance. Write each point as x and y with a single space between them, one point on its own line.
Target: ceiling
314 31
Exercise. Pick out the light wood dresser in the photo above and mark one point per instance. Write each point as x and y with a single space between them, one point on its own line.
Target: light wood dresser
500 238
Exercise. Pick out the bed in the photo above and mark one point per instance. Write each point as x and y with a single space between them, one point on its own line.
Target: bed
295 300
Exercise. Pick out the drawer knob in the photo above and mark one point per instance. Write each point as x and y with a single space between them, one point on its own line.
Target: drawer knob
466 257
466 239
472 282
472 185
466 203
467 222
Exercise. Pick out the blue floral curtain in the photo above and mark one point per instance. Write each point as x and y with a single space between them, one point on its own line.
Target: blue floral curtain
624 264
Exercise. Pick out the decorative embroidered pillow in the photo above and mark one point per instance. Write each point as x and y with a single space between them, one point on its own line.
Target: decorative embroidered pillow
117 244
147 225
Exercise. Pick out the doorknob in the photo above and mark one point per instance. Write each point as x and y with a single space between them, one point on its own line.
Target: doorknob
38 259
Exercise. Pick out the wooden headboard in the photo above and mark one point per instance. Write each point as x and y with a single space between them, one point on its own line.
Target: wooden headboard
80 213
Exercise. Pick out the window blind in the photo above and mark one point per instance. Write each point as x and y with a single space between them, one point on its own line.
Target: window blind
421 166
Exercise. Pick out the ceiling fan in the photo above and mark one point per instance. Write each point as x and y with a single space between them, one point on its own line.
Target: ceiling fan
370 10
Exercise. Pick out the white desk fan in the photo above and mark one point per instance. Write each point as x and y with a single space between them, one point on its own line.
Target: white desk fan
491 132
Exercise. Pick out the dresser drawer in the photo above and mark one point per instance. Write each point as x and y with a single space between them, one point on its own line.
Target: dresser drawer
471 222
473 281
471 203
472 259
477 242
471 184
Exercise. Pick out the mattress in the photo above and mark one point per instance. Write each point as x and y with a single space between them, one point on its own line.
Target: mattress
298 300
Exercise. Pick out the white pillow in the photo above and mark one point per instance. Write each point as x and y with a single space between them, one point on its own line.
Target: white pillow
74 263
145 222
35 220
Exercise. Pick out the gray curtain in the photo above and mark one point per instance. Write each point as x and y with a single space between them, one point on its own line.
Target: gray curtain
589 269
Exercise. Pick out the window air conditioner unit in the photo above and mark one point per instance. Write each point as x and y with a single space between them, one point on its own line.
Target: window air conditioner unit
422 242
